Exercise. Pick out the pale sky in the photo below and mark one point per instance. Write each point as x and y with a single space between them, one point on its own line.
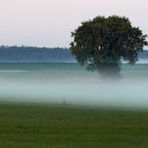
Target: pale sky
50 22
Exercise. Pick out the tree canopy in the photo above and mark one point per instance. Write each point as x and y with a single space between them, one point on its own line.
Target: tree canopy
102 43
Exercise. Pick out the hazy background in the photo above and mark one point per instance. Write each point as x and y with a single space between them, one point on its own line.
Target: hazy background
50 22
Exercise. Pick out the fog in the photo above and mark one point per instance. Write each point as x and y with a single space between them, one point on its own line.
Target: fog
108 94
73 85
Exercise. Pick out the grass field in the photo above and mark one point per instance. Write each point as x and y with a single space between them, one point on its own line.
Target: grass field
39 126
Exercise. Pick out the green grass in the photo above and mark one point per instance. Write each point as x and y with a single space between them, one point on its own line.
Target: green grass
38 126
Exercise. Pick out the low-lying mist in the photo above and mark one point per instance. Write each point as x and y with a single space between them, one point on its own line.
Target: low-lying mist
75 85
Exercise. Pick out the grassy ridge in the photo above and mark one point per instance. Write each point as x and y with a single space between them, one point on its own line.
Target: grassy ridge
30 126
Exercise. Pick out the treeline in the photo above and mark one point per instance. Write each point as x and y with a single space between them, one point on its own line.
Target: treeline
34 54
144 55
24 54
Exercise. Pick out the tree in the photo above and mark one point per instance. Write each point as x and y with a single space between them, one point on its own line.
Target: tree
104 42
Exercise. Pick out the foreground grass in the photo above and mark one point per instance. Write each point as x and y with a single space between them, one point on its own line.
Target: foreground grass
32 126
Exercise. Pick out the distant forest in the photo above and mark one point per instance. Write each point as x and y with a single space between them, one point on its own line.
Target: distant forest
34 54
24 54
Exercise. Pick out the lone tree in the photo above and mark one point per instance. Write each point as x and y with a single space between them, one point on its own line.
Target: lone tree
104 42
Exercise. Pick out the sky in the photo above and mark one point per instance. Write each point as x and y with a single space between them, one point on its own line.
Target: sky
49 23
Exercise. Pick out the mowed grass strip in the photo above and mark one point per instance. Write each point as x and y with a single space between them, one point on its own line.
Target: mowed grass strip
39 126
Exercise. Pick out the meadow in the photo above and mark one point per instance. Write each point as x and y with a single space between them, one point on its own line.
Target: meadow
58 105
67 126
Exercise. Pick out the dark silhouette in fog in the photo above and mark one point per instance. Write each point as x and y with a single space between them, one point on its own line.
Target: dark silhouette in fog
102 43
